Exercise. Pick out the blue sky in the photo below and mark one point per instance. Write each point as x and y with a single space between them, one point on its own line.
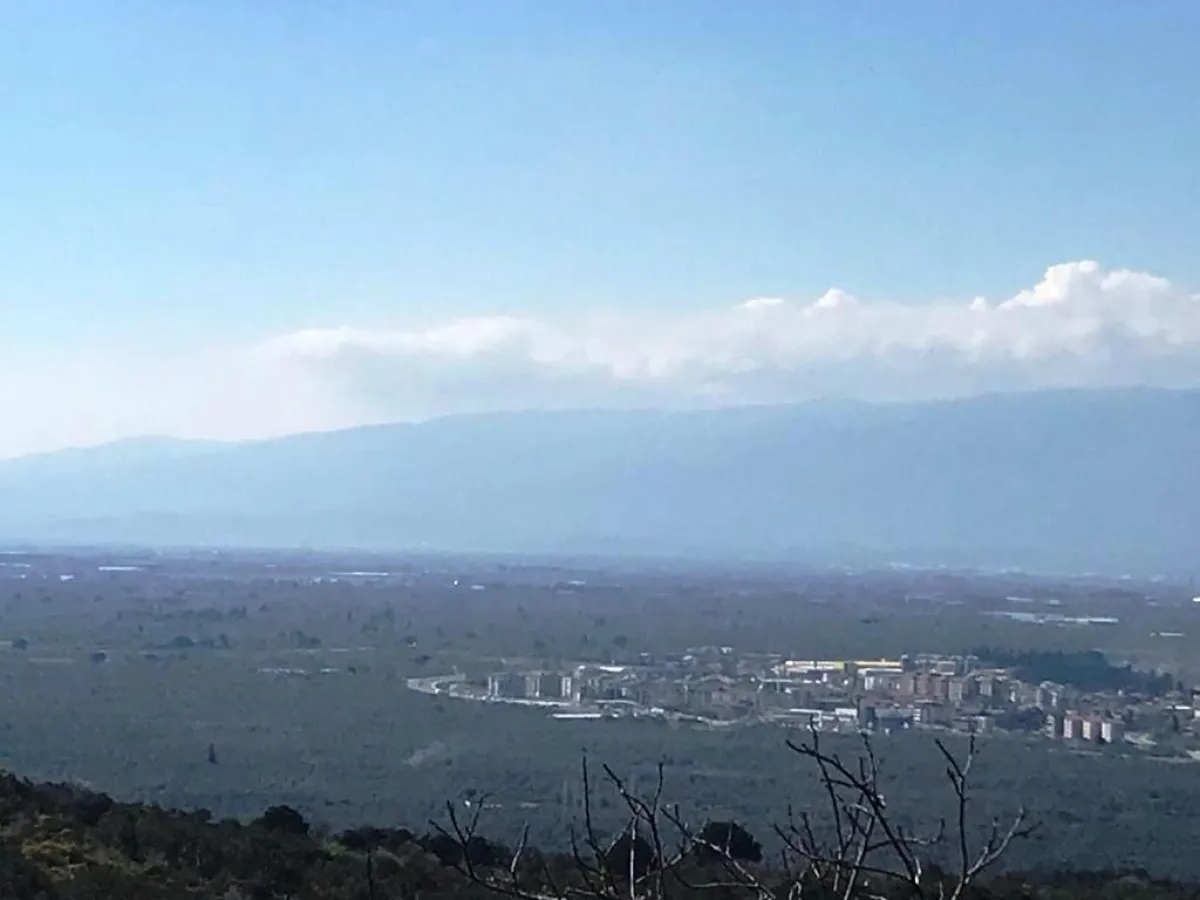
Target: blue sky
185 181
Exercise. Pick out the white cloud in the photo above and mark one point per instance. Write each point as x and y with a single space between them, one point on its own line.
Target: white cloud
1080 325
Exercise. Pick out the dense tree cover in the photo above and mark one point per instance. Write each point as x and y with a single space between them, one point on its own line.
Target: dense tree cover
289 690
733 839
1088 670
59 842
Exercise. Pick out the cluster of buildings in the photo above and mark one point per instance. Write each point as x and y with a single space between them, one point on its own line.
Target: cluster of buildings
556 686
717 685
884 694
1075 726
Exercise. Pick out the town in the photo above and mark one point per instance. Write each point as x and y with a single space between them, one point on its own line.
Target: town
720 687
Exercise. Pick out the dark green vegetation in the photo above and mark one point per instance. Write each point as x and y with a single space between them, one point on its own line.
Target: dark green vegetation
1088 670
238 683
59 842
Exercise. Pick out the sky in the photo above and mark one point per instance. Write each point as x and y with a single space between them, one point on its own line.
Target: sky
236 220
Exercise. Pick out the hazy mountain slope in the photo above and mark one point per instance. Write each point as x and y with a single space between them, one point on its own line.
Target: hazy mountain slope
1069 475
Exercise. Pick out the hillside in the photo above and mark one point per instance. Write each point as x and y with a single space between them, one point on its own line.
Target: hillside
1059 479
59 842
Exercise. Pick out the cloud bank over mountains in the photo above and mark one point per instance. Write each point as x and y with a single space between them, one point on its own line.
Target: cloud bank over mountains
1081 325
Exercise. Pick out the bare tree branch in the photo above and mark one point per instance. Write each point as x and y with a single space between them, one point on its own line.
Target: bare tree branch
868 854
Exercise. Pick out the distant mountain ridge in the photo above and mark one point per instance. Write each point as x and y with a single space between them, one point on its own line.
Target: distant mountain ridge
1075 478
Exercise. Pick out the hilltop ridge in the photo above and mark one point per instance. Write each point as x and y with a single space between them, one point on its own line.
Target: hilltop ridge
1068 480
64 842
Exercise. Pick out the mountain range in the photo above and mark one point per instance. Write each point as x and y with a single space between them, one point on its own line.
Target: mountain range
1090 480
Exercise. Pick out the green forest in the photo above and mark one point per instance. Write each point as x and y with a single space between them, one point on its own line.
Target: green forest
62 842
234 686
